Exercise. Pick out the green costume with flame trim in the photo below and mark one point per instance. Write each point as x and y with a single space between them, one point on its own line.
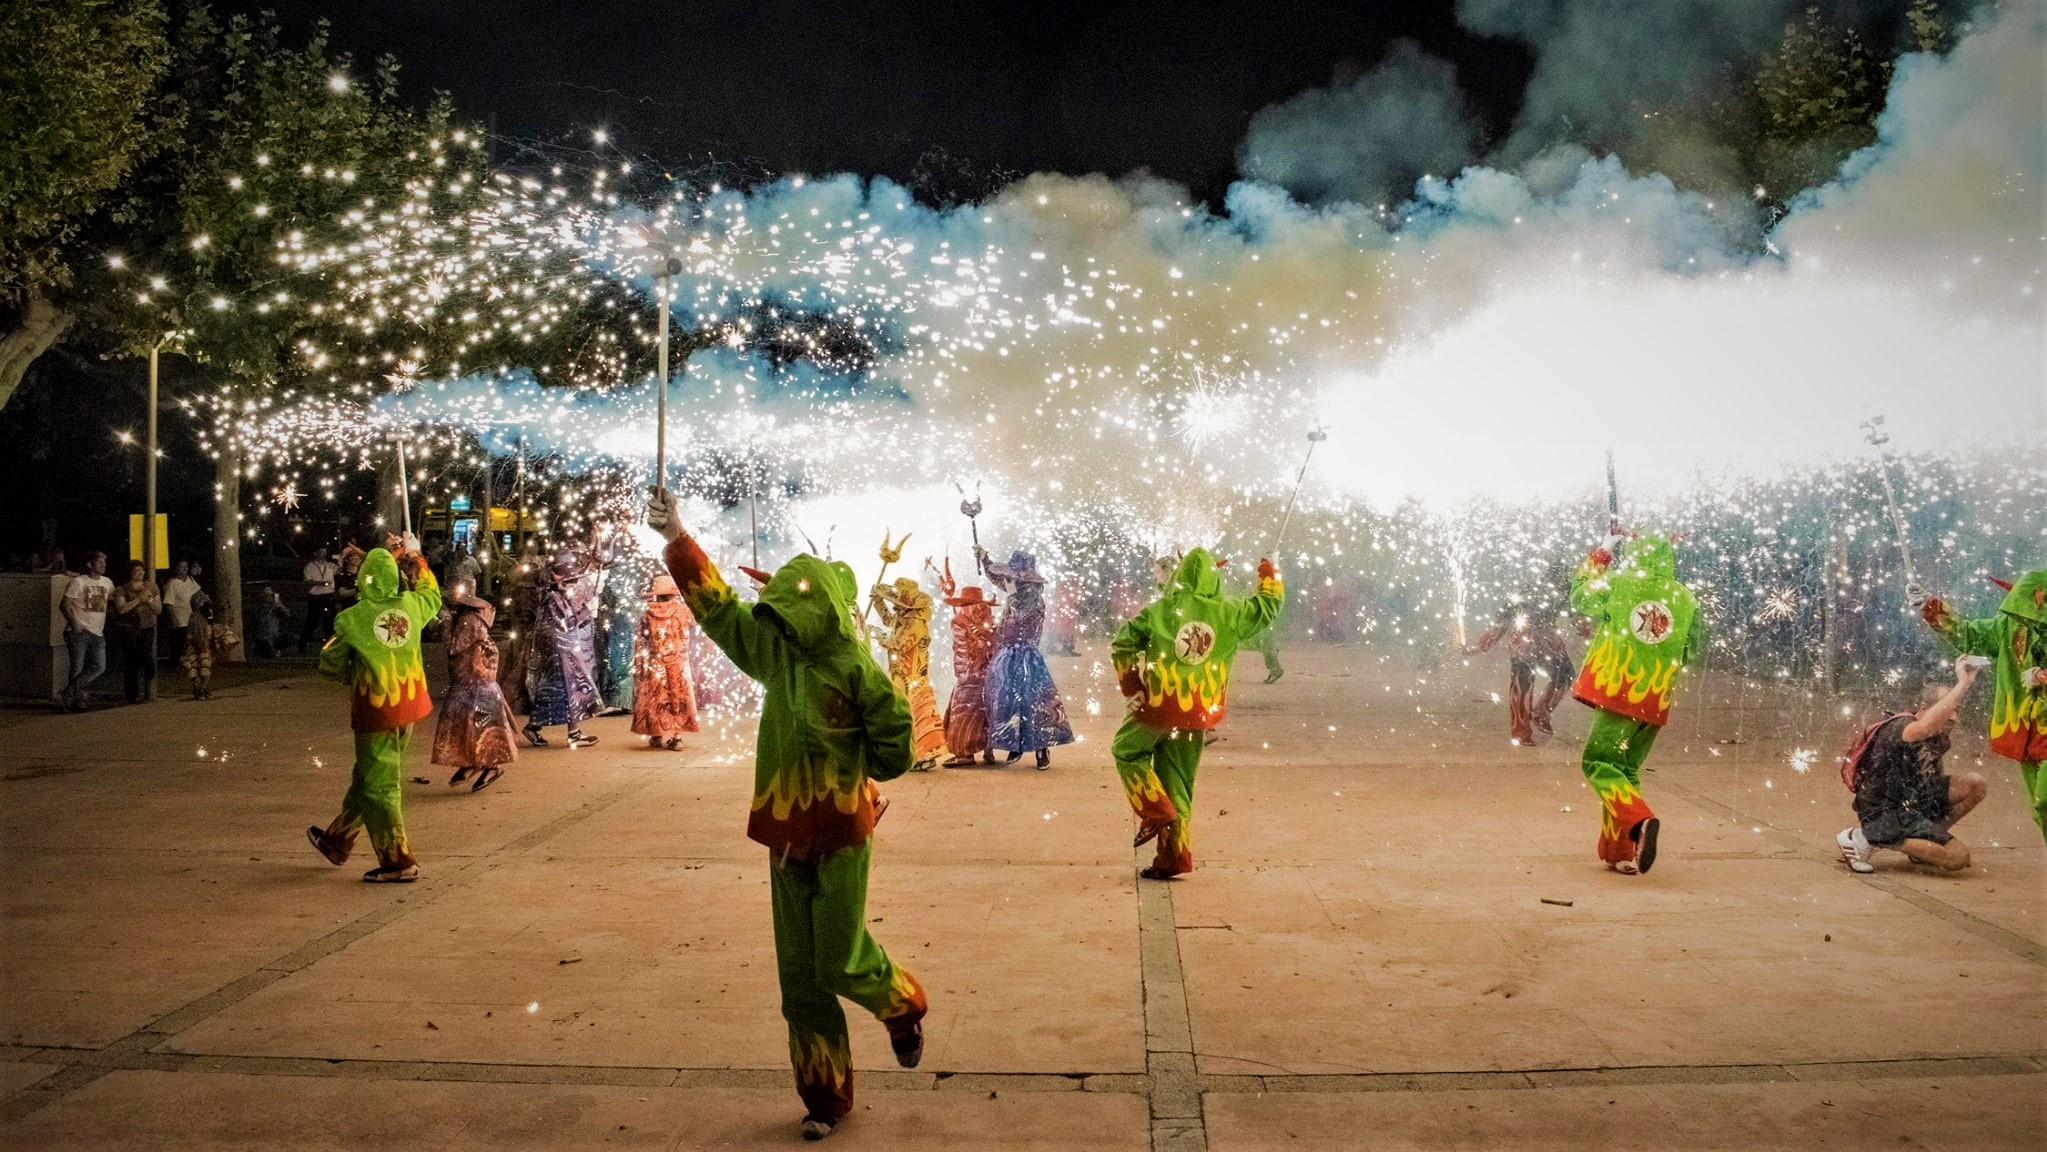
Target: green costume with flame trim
375 650
1645 631
830 722
1173 662
2016 639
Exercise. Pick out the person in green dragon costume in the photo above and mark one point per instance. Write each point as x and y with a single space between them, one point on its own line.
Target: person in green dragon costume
831 722
1645 632
1173 664
2015 638
375 650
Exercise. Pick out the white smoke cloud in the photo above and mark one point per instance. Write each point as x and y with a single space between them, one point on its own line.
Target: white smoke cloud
1598 61
1081 345
1365 138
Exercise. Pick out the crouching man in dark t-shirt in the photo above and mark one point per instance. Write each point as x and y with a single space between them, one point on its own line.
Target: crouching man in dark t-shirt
1902 798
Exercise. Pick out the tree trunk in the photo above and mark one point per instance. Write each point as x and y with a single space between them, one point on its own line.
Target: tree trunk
40 325
227 548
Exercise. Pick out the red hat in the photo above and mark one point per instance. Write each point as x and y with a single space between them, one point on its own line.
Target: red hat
971 594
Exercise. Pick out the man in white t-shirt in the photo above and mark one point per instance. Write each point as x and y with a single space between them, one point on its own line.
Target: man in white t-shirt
177 608
320 574
85 627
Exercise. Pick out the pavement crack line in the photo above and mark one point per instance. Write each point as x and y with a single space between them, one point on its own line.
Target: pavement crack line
1804 846
1171 1084
142 1044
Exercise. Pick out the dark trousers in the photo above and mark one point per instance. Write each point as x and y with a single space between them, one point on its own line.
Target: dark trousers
138 663
319 622
172 647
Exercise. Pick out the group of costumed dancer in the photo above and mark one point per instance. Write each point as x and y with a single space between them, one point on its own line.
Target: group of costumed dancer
834 723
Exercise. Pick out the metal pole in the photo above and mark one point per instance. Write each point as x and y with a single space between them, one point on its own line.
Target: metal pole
661 398
519 501
149 481
490 493
404 486
1314 438
1877 439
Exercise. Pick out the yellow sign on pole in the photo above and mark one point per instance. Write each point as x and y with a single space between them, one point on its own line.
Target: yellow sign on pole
163 538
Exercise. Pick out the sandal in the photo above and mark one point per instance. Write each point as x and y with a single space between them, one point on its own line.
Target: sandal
1157 873
392 874
674 743
580 739
460 775
533 735
486 777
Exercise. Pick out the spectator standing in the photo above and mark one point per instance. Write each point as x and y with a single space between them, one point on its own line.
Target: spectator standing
177 608
136 604
321 577
85 627
266 620
464 572
351 562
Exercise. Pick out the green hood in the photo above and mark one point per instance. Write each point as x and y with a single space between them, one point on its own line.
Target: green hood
1197 574
2025 598
1652 554
378 579
809 598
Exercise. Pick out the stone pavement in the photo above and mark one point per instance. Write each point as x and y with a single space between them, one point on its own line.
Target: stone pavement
1397 938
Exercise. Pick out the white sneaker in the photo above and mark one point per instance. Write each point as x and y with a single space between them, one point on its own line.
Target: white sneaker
1855 850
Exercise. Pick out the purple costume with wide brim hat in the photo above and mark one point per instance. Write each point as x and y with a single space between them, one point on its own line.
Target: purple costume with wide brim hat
1025 713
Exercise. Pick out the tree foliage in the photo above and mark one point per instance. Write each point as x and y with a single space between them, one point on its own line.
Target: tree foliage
79 74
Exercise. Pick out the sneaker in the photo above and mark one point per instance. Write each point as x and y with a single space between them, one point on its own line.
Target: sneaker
1044 759
907 1041
1645 844
816 1129
336 854
392 874
1855 850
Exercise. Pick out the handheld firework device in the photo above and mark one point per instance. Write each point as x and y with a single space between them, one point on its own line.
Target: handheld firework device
1315 436
1877 438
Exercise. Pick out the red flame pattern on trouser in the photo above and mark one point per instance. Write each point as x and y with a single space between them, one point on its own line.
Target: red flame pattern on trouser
372 798
1520 703
823 951
1157 767
1615 751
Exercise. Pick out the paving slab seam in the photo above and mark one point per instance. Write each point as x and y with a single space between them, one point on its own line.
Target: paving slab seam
1652 1074
1172 1084
140 1045
2005 938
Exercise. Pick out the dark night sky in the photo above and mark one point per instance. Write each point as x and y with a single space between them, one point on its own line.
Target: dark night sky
868 87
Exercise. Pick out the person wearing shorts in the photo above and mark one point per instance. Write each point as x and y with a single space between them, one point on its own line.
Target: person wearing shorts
1903 801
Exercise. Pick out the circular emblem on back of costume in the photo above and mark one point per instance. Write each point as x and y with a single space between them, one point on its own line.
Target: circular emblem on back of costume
392 626
1195 641
1651 621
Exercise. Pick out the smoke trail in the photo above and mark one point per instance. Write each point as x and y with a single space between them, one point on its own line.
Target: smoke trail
1363 139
